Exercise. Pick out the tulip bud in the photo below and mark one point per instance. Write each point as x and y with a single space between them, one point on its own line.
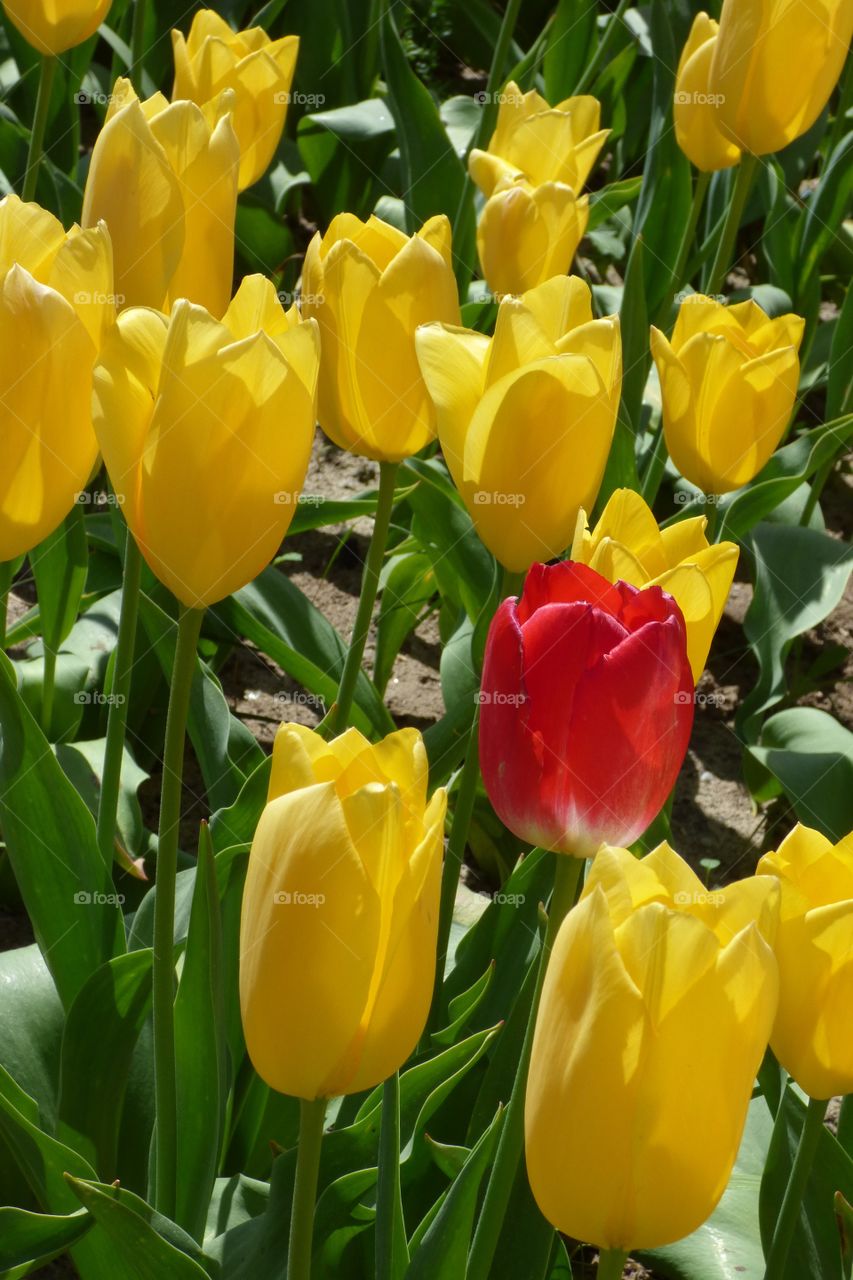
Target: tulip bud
540 143
697 130
528 234
657 1004
164 179
56 302
775 64
52 27
369 287
812 1037
627 544
526 418
340 912
206 431
258 70
586 708
728 378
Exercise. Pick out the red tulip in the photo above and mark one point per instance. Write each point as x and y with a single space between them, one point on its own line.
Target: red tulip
586 708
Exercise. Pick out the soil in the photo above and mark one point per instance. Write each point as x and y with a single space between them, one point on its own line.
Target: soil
713 816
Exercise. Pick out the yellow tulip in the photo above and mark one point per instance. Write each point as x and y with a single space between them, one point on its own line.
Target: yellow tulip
655 1013
526 418
206 431
627 544
53 26
540 143
369 287
526 234
164 179
695 107
258 70
775 64
728 379
340 912
56 303
813 1034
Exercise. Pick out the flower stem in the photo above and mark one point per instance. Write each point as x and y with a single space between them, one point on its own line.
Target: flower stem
6 568
118 705
339 716
392 1255
137 40
566 881
163 977
311 1117
725 246
611 1264
48 687
700 190
36 150
792 1202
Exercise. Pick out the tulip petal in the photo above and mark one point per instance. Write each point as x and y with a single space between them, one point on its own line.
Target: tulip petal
452 362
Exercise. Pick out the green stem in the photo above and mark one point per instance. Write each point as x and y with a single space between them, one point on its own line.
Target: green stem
452 867
597 61
792 1202
566 881
845 100
34 155
48 687
655 468
118 706
496 71
6 567
311 1117
163 976
726 243
137 39
392 1255
821 476
700 190
611 1264
339 716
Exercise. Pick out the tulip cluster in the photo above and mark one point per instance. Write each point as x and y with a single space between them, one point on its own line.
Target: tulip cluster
536 163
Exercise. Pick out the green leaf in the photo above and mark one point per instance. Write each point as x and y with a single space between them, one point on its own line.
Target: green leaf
32 1018
275 615
340 1218
463 568
27 1239
434 177
621 469
60 565
814 1250
811 756
42 1159
567 47
235 824
800 576
782 475
136 1236
442 1251
200 1052
607 201
840 365
462 1008
101 1031
52 847
407 585
825 211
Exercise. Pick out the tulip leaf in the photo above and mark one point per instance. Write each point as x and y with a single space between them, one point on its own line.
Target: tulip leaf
60 565
236 823
800 576
276 616
464 569
143 1244
462 1008
567 47
407 584
28 1239
53 850
844 1219
811 756
441 1251
340 1218
109 1013
200 1051
814 1250
825 210
607 201
840 379
783 474
32 1019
